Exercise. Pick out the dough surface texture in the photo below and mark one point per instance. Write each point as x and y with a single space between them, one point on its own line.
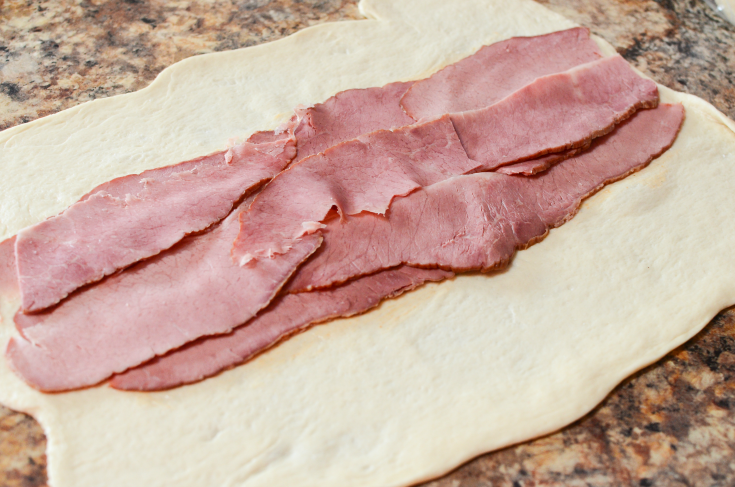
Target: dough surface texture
424 382
727 9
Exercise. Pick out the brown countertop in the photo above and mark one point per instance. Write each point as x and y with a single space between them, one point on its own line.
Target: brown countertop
672 424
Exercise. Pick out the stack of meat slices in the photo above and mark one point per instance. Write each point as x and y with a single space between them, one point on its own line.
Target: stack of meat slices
171 276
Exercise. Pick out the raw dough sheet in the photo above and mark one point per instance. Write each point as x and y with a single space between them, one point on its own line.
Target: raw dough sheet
425 382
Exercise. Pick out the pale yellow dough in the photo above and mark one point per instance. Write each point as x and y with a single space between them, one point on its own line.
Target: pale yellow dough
427 381
727 8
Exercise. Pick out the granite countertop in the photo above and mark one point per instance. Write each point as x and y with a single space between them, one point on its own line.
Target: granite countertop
671 424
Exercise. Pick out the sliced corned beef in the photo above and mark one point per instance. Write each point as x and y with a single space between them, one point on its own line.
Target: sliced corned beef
539 164
362 174
496 71
135 217
287 315
481 220
470 222
8 275
349 114
476 81
266 136
189 291
478 221
554 113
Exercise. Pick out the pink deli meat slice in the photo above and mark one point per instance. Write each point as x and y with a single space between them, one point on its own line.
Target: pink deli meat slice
189 291
477 81
349 114
539 164
135 217
496 71
285 316
267 136
477 222
364 174
8 276
554 113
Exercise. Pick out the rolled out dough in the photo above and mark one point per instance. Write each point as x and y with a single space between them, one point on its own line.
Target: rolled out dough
727 9
425 382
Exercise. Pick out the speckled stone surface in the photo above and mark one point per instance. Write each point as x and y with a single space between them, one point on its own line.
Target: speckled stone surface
55 54
672 424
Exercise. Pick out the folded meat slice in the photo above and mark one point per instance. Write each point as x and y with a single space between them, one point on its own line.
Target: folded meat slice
192 290
539 164
362 174
496 71
284 317
349 114
477 222
554 113
135 217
